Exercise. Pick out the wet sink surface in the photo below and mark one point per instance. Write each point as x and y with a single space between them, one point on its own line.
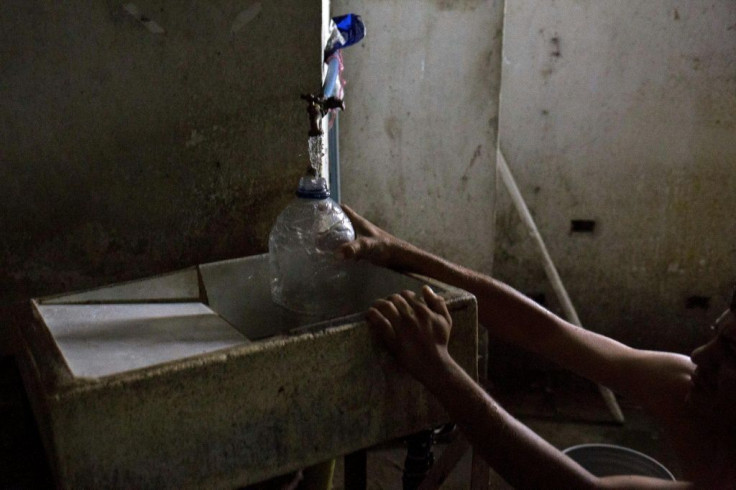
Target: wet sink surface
190 312
239 291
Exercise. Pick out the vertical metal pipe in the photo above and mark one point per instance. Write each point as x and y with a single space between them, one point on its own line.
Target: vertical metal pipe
334 158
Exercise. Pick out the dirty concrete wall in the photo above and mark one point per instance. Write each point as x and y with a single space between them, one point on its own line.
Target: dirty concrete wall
623 114
417 138
141 138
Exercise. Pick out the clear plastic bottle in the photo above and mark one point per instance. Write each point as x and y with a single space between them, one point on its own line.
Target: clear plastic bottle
305 276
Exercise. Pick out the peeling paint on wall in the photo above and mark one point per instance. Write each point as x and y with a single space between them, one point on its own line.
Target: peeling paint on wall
245 17
145 21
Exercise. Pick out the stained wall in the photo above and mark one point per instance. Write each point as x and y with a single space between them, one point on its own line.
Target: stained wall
620 116
141 138
127 151
616 119
417 139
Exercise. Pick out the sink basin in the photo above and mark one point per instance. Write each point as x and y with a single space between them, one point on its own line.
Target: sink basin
195 379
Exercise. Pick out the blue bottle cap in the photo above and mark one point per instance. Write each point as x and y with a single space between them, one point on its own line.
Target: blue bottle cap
313 188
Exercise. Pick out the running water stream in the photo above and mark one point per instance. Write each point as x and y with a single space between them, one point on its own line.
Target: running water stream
316 153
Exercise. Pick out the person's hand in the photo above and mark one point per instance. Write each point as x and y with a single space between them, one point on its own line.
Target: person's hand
371 243
415 330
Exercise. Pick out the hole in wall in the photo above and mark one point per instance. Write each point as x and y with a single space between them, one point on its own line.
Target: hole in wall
582 226
697 302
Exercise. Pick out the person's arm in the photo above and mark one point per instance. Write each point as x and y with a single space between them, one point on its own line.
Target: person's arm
518 454
416 331
649 378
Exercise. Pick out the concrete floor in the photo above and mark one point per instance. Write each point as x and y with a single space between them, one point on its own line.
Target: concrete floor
563 409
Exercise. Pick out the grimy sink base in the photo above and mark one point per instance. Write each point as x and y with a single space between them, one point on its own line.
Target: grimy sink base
236 415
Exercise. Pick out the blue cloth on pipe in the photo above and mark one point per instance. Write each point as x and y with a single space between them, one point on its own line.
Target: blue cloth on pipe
351 29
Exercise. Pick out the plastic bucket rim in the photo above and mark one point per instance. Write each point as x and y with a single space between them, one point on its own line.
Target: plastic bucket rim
616 447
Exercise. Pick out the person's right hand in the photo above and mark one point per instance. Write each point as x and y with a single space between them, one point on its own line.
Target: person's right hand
372 243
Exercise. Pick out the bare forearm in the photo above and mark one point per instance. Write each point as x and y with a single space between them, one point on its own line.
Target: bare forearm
506 313
514 451
521 457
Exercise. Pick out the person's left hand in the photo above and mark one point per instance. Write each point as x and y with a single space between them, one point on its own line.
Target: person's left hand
416 331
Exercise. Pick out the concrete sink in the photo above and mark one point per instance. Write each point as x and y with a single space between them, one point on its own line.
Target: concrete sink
195 379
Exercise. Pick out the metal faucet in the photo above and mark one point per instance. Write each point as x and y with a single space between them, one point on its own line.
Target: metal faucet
317 108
